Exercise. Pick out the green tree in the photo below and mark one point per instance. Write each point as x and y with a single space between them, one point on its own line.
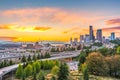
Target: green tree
113 63
118 50
53 50
53 78
34 71
41 76
110 63
83 67
23 58
104 51
45 64
10 62
34 68
38 56
29 58
5 63
85 72
24 75
87 51
37 66
97 44
50 64
116 42
1 65
28 70
116 66
57 63
63 72
19 72
34 76
42 56
47 55
82 57
96 64
34 57
55 70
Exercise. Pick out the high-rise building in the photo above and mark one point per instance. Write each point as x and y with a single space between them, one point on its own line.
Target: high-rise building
103 39
81 38
87 38
75 41
91 33
112 36
99 35
71 41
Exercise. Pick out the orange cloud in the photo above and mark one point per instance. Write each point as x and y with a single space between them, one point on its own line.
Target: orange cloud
71 30
112 29
45 14
42 28
6 26
23 28
113 21
8 38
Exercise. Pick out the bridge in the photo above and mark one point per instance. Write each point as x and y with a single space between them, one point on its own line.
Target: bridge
62 55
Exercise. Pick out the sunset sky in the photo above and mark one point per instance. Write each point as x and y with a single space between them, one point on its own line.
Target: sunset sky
57 20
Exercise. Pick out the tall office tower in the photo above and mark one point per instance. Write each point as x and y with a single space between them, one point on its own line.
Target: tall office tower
112 36
91 33
71 41
87 38
103 39
81 38
99 35
75 41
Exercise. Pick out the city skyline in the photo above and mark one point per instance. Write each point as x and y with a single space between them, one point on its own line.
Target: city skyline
57 20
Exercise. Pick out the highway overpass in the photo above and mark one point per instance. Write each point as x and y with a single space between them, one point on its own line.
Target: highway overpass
8 69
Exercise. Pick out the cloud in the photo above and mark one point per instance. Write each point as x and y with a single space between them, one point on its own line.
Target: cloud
45 14
116 29
42 28
71 30
76 31
16 27
8 38
112 28
65 32
5 26
113 21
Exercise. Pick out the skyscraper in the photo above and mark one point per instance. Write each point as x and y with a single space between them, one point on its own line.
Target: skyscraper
75 41
91 33
103 39
99 35
71 41
81 38
112 36
87 38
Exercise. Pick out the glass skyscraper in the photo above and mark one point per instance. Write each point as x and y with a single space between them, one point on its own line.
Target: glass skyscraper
99 35
112 36
91 33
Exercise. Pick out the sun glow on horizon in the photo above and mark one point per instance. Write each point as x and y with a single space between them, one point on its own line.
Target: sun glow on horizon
53 23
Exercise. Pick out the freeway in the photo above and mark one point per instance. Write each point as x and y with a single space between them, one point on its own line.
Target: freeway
4 56
62 55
